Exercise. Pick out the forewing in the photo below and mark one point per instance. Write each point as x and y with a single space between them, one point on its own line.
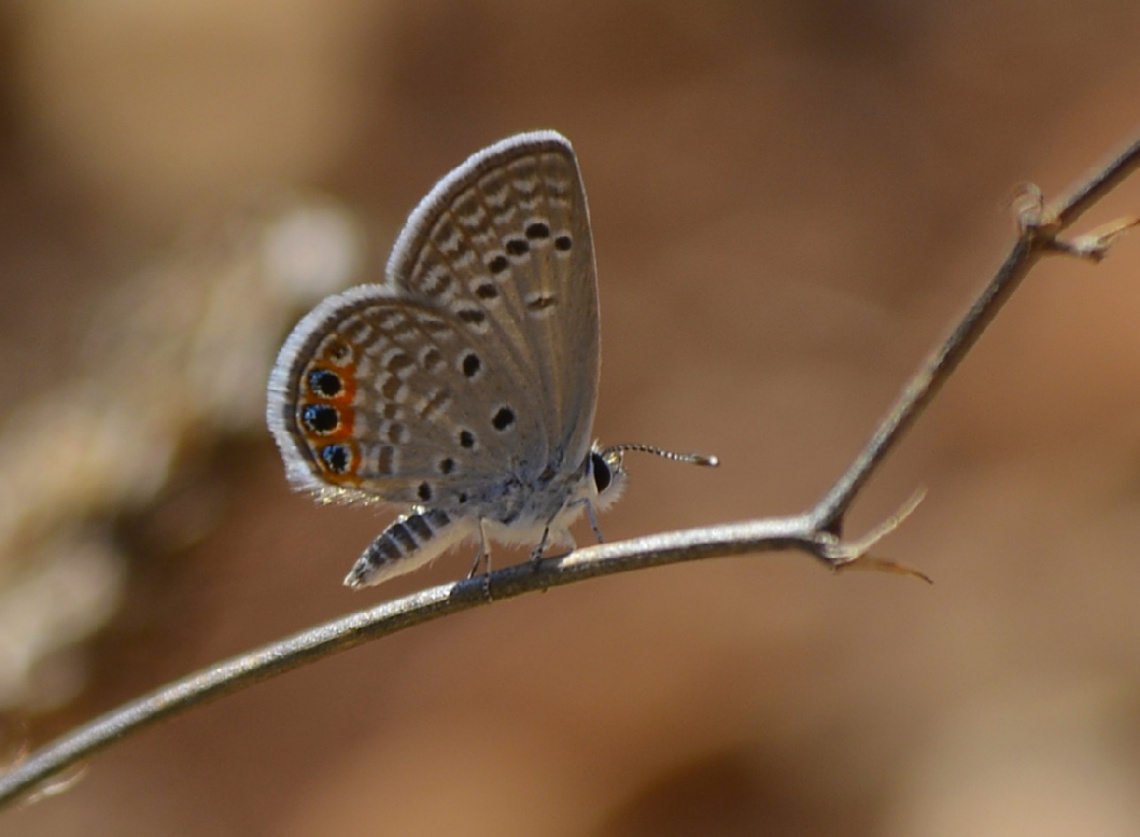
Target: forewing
503 243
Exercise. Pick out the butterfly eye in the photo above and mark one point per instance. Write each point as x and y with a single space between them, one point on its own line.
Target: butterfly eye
603 476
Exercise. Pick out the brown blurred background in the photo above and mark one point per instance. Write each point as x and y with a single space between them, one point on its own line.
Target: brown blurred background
792 201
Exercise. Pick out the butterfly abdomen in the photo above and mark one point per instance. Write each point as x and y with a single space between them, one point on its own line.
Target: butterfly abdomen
410 542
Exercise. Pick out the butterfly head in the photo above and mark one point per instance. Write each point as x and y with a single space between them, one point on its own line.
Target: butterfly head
605 474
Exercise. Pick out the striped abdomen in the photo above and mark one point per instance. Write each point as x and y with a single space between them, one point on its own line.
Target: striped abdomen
412 541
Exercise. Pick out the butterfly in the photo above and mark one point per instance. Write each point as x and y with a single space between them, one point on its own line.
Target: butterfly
463 387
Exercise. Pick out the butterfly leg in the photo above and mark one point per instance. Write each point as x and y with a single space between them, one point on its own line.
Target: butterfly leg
561 537
593 516
484 553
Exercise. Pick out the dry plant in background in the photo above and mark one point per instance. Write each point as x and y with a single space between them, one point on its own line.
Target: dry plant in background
90 448
817 531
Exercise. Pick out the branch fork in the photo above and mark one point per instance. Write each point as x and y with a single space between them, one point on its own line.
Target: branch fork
1040 223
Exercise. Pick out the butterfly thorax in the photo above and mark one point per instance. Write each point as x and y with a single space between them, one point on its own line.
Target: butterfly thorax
541 510
530 497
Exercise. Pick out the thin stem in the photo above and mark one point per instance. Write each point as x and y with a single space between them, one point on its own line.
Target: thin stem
424 606
1035 240
926 382
1097 183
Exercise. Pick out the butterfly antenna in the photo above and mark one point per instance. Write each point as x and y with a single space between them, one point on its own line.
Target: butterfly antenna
692 458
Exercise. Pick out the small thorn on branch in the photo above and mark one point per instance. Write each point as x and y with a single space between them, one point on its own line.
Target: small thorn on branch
1094 245
855 555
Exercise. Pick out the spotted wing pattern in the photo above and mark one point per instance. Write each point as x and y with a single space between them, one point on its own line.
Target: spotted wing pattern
476 360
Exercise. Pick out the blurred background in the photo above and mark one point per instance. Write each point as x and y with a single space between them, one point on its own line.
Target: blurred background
792 202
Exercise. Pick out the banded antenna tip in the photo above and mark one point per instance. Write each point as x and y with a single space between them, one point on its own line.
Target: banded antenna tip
691 458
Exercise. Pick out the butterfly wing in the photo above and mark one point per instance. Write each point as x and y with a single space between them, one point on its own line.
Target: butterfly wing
507 234
477 359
